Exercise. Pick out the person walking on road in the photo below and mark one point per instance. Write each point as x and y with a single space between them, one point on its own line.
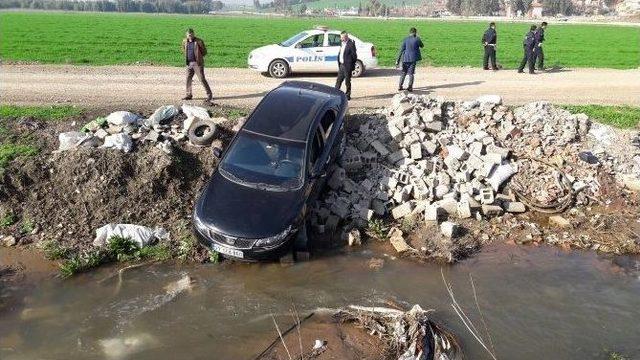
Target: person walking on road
409 55
489 40
347 58
538 52
528 44
195 51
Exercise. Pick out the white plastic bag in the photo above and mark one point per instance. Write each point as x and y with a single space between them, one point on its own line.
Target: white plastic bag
122 118
500 174
141 235
71 139
119 141
161 114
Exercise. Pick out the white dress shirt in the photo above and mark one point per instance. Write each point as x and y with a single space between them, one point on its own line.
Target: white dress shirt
343 45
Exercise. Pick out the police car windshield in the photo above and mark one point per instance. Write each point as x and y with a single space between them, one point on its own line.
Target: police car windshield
294 39
265 162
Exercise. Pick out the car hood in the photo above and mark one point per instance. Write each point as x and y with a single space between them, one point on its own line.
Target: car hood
243 211
268 49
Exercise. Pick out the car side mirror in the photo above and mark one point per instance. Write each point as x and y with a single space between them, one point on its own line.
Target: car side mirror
217 152
298 46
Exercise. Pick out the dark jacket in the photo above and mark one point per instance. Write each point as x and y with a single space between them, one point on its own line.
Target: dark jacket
200 51
529 40
350 54
410 49
539 36
490 36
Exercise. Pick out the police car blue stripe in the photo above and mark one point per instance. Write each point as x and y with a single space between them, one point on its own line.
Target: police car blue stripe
331 58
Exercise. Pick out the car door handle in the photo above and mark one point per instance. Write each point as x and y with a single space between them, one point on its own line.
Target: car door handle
319 50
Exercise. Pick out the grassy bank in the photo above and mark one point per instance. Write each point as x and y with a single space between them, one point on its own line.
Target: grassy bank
624 117
102 39
15 143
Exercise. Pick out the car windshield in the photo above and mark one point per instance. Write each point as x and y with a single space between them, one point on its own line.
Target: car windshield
294 39
264 162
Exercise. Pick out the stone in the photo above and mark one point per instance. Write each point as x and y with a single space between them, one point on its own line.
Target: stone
397 240
402 210
101 133
337 178
491 210
152 136
486 196
416 151
432 212
514 207
354 238
9 241
464 210
559 221
449 229
379 148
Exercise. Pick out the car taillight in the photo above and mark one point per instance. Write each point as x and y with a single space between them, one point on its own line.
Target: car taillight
373 51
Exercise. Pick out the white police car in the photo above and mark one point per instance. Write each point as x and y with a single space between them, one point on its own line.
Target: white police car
310 51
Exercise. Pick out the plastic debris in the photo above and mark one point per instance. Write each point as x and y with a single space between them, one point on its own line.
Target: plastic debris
141 235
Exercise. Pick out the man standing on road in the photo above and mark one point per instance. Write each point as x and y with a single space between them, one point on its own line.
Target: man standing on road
529 44
538 52
409 55
195 51
489 40
346 62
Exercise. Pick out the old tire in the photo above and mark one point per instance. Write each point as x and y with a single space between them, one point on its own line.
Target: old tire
202 132
358 69
279 69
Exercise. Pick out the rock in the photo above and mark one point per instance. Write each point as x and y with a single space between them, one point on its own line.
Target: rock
489 99
631 182
152 136
432 212
514 207
491 210
559 221
353 238
402 210
449 229
397 240
9 241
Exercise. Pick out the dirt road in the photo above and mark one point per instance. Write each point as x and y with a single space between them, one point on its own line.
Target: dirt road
137 87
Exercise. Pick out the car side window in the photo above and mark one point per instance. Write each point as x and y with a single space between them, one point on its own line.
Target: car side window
316 147
311 42
334 40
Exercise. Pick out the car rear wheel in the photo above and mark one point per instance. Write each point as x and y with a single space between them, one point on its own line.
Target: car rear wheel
279 69
358 69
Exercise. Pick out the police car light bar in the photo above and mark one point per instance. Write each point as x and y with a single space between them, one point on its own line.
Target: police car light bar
322 27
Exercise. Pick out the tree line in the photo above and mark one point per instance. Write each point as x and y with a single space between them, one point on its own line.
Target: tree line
143 6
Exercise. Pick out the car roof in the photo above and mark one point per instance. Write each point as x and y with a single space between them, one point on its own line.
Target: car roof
329 31
289 111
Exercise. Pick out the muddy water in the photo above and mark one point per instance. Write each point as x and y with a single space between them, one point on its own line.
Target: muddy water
539 303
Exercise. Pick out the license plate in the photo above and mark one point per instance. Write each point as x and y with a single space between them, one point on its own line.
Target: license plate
226 251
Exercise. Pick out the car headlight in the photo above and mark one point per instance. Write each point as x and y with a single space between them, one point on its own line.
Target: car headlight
276 239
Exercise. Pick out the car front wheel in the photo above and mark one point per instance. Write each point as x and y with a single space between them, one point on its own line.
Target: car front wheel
279 69
358 69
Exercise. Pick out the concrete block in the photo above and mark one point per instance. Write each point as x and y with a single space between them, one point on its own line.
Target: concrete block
340 208
464 210
486 196
389 182
475 148
449 206
402 210
416 151
337 178
397 241
452 163
432 212
430 147
514 207
494 158
449 229
354 238
433 126
441 190
491 210
379 148
378 207
457 152
398 155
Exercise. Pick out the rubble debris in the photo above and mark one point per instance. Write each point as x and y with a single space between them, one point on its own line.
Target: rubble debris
408 335
449 229
559 221
397 240
8 240
471 161
122 118
353 238
141 235
161 114
73 139
119 141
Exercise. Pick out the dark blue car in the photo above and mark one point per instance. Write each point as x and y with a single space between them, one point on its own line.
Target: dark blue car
274 168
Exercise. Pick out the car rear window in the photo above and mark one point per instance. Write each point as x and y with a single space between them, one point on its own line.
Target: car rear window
294 39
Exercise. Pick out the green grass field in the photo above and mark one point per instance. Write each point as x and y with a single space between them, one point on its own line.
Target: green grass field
104 39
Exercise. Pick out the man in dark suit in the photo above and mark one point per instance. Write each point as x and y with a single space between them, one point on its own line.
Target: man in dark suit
538 52
528 44
347 58
409 55
489 40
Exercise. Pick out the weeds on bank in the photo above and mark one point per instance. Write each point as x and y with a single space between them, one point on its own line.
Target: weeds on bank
8 218
39 112
53 250
377 229
616 356
27 226
118 249
620 116
9 152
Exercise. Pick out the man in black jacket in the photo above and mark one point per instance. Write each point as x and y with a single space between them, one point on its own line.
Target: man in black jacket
528 44
347 58
489 40
538 52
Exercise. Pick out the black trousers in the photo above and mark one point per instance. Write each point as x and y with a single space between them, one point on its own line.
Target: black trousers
539 56
344 75
408 68
529 57
489 55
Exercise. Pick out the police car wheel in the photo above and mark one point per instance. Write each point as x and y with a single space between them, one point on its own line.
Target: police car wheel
278 69
358 69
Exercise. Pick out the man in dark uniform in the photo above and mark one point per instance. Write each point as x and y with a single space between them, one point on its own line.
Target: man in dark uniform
489 40
347 58
409 55
538 52
529 44
194 50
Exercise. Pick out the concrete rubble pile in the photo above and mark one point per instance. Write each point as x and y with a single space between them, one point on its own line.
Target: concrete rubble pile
122 129
424 157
